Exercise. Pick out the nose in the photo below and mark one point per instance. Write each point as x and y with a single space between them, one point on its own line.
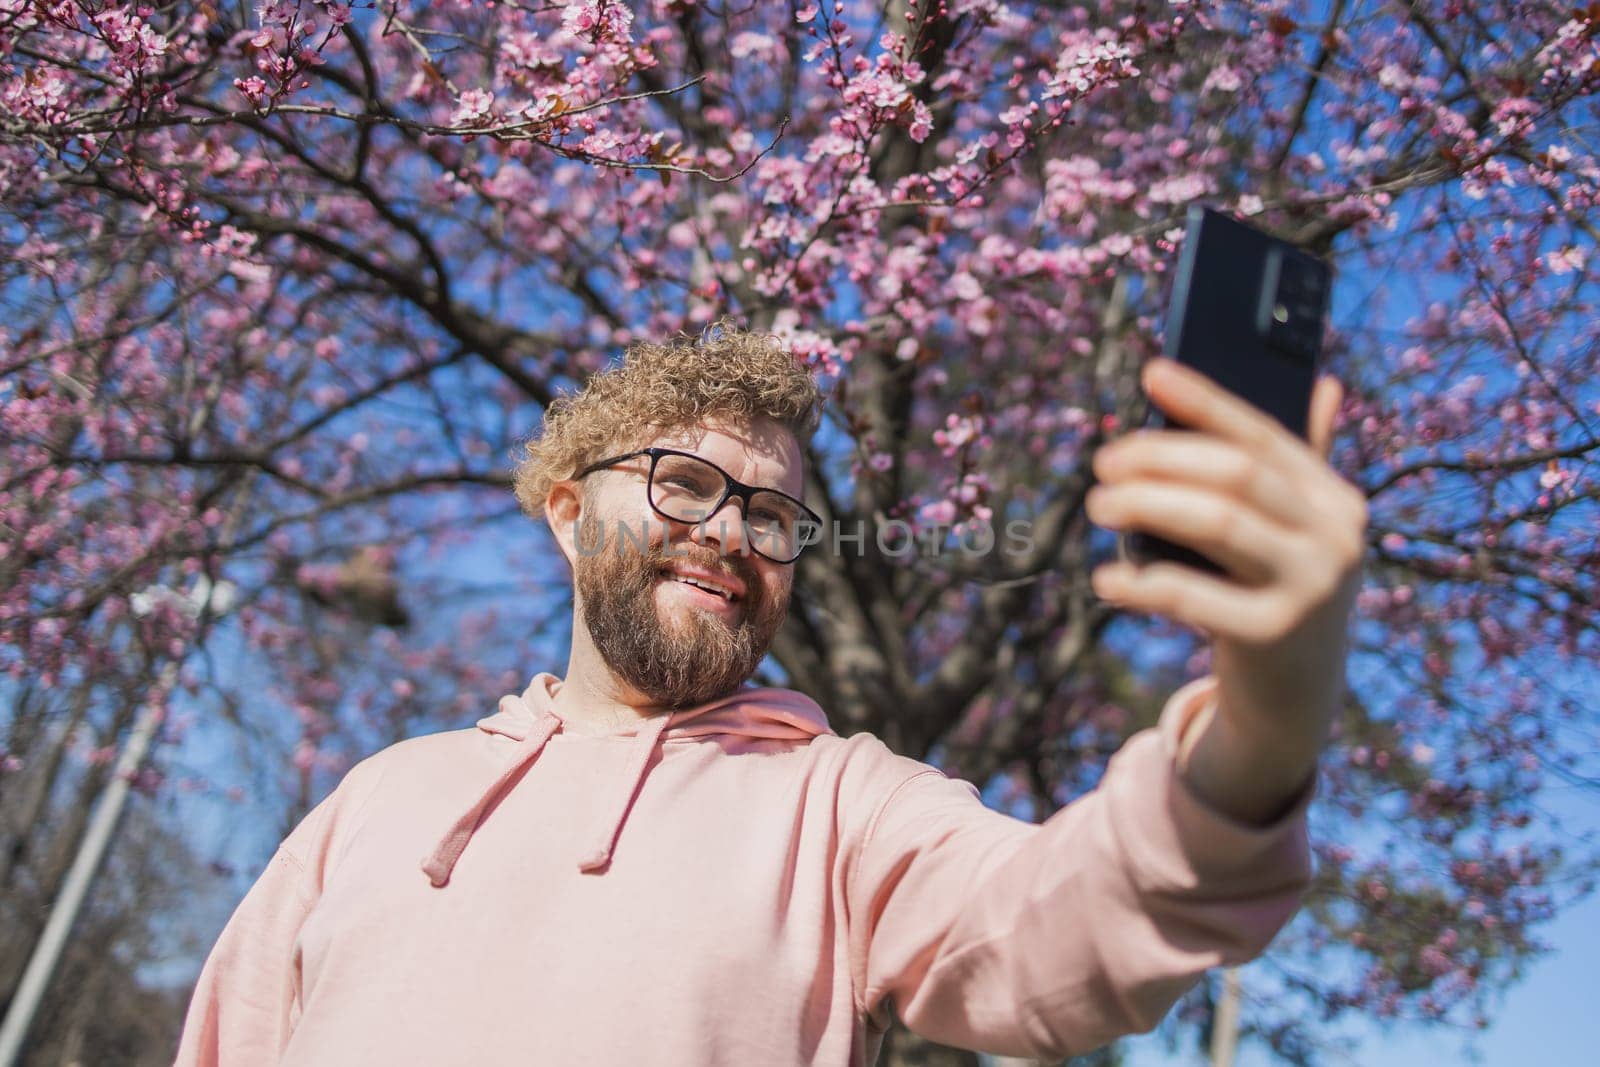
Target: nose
725 527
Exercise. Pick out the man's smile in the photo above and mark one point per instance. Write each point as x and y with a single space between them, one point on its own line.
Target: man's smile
725 586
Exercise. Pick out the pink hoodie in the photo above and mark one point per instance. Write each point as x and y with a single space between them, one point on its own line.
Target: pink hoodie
730 884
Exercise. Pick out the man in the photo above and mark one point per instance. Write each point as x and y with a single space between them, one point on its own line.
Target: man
642 862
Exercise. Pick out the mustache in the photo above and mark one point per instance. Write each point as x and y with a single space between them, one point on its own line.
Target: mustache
714 562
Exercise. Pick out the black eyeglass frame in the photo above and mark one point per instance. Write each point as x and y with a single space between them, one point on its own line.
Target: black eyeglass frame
731 487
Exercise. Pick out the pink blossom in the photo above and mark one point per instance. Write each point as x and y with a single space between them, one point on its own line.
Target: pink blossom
1223 79
921 124
254 89
472 108
1566 260
965 287
601 19
938 513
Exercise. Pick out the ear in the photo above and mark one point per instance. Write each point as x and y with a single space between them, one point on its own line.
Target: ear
563 506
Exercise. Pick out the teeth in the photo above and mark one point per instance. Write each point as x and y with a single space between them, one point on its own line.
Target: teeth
723 593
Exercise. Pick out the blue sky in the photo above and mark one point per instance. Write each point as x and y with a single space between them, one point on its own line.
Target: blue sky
1551 1018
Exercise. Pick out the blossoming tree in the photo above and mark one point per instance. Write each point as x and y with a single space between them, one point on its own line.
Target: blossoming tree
284 288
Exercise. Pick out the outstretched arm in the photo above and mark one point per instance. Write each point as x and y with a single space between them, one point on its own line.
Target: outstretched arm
986 932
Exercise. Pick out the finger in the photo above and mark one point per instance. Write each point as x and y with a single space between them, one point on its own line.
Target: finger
1204 461
1212 605
1239 538
1200 403
1326 399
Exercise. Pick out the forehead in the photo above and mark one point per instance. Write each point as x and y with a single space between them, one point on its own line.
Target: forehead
762 453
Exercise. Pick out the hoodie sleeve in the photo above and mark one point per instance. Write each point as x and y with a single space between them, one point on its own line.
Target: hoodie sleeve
247 999
990 933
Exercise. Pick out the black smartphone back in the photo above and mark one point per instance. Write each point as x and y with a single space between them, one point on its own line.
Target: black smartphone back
1248 311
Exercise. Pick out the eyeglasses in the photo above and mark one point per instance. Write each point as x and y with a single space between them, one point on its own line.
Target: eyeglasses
685 488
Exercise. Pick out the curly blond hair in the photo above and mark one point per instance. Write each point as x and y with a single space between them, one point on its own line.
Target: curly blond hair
726 372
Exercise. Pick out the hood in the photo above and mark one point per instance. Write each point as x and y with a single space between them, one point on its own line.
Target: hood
531 719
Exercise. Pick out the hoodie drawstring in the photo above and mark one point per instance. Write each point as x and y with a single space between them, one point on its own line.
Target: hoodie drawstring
442 860
644 746
530 720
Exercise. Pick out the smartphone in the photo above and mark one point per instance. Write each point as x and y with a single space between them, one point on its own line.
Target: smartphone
1248 311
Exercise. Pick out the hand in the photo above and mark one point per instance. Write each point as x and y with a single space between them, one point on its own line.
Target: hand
1267 507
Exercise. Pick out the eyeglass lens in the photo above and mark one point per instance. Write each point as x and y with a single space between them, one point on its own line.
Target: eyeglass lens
686 489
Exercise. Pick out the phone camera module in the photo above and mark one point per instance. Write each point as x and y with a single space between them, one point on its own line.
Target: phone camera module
1292 301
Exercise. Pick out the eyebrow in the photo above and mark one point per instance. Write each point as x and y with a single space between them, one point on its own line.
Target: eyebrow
799 494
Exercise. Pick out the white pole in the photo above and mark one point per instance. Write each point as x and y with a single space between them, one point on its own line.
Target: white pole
102 827
1225 1023
96 840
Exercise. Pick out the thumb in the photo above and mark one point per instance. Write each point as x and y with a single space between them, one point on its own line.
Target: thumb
1326 398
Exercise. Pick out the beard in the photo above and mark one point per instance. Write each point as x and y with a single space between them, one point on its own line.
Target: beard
682 662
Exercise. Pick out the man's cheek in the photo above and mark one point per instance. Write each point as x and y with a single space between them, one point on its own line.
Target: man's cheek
776 598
